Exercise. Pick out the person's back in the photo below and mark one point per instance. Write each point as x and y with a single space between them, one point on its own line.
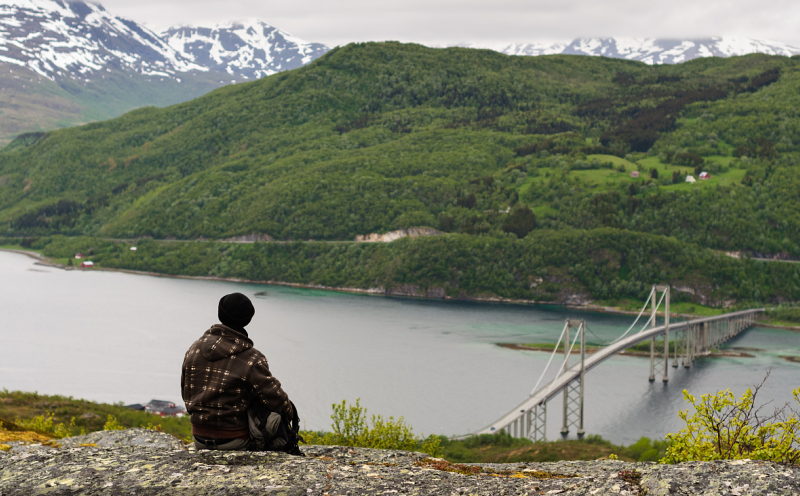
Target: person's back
223 376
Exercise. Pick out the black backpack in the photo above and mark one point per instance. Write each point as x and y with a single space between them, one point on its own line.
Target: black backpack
270 432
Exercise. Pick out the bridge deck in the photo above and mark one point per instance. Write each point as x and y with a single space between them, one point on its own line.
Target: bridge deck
594 359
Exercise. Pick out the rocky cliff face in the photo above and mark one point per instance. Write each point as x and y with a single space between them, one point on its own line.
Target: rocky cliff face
331 470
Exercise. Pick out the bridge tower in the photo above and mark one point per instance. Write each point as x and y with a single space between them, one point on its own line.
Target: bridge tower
574 392
665 295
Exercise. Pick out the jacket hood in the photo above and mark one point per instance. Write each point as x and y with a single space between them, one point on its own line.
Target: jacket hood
222 342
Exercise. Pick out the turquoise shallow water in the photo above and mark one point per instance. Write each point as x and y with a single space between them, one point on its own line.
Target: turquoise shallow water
119 337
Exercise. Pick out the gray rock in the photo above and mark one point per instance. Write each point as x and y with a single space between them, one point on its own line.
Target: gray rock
356 471
137 436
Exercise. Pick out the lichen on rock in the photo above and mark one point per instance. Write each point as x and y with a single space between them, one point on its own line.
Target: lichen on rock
335 470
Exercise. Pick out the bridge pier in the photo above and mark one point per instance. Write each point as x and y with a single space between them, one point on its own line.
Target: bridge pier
539 416
653 315
574 391
665 290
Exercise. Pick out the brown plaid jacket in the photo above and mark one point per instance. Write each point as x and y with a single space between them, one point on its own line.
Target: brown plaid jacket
222 374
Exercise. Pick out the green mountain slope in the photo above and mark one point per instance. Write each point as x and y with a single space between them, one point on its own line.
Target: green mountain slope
381 136
374 137
31 103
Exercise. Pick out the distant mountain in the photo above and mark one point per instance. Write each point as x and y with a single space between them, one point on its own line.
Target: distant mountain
655 51
251 49
57 39
64 63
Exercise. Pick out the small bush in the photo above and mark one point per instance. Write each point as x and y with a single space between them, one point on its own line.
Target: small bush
724 428
112 424
44 424
350 428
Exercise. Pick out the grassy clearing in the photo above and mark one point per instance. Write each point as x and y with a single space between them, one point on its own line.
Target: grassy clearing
543 211
732 177
18 247
617 161
654 163
602 177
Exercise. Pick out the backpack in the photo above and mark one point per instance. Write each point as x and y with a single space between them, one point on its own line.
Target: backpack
270 432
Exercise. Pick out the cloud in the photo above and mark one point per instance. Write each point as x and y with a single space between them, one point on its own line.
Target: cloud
443 22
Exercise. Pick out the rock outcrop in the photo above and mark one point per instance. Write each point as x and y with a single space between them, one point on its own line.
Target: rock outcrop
333 470
411 232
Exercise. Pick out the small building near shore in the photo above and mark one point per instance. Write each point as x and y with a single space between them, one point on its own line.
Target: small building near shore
704 175
78 256
691 179
635 174
87 265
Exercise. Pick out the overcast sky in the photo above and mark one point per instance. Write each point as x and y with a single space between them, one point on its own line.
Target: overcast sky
445 22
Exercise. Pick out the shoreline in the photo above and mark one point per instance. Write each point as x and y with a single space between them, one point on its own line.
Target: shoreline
43 261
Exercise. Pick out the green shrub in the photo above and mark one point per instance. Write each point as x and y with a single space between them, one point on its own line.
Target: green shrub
647 450
45 424
724 428
784 314
112 424
350 428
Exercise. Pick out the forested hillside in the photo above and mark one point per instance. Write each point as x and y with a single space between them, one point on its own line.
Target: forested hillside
381 136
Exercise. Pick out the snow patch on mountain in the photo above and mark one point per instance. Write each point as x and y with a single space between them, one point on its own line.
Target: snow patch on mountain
656 51
251 48
75 39
57 38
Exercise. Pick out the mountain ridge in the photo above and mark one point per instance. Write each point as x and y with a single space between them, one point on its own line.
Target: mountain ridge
650 50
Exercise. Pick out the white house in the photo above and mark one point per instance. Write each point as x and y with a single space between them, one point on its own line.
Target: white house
691 179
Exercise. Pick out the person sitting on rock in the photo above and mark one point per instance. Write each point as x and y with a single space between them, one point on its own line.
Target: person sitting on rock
228 388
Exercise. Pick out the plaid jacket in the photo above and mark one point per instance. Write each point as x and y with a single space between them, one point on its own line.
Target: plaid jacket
222 374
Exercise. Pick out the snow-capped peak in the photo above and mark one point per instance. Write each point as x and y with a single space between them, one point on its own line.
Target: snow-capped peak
55 38
251 48
656 51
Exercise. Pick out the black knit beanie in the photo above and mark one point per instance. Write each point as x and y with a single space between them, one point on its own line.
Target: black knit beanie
235 310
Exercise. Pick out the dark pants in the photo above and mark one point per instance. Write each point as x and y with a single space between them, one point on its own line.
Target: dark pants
231 445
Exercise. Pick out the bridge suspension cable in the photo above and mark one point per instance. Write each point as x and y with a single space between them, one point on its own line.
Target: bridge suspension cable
652 295
602 341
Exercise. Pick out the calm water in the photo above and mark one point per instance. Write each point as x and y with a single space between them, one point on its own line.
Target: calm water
115 337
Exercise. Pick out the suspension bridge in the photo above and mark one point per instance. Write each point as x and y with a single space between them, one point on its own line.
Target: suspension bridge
692 339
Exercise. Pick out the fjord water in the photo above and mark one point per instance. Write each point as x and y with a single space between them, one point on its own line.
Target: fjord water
115 337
